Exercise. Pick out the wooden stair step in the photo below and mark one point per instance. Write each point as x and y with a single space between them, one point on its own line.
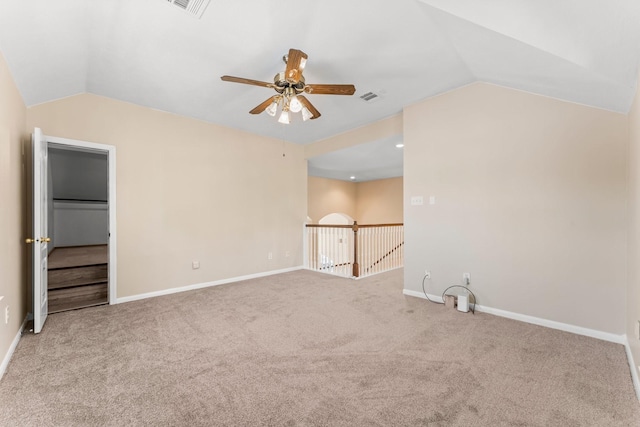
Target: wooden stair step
77 297
75 305
77 256
76 276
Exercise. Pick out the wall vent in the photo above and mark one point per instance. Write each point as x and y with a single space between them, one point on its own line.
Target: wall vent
369 96
194 7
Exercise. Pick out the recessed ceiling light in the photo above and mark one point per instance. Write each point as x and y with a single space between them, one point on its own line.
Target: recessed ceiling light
400 145
352 177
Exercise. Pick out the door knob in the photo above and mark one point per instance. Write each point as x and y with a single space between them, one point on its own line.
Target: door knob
29 240
45 239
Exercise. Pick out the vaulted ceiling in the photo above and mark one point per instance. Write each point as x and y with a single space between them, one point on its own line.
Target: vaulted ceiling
152 53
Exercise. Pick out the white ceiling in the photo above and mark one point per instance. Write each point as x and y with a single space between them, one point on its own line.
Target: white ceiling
151 53
378 159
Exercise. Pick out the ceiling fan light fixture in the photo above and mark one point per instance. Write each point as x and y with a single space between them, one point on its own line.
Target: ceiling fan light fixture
295 105
271 109
290 86
284 118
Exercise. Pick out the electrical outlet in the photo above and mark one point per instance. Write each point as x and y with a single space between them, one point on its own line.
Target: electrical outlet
195 265
417 201
6 315
270 255
467 278
287 254
427 274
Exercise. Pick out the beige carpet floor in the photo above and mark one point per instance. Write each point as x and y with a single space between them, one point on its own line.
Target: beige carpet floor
305 349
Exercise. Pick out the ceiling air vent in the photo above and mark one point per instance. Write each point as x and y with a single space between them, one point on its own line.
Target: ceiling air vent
194 7
369 96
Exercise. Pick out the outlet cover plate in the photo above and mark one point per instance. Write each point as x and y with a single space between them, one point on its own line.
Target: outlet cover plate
417 201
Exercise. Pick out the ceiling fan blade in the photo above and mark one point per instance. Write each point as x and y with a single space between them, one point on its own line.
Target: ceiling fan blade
296 61
260 108
304 101
330 89
246 81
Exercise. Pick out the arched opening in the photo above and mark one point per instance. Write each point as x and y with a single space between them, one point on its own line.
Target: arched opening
336 218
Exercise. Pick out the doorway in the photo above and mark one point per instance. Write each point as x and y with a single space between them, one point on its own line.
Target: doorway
74 209
78 219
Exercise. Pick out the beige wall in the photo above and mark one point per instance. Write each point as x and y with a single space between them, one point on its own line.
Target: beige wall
12 213
633 284
530 199
327 196
189 190
369 202
379 201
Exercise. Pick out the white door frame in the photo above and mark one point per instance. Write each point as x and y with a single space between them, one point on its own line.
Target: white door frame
40 237
111 162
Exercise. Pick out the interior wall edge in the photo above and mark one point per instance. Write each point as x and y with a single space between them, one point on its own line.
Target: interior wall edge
632 367
378 130
12 349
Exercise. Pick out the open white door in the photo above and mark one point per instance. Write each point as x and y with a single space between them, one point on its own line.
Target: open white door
40 234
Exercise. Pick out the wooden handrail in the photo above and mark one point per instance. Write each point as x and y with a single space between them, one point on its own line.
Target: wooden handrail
380 225
335 265
385 255
351 226
328 226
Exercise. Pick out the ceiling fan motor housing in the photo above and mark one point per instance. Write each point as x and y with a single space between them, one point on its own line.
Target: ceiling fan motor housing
281 84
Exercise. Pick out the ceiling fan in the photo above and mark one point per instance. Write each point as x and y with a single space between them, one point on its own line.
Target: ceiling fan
290 85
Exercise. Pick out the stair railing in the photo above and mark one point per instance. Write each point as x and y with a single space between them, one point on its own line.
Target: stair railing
354 250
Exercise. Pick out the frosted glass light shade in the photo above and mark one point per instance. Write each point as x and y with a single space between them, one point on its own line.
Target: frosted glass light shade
271 109
284 118
306 114
295 105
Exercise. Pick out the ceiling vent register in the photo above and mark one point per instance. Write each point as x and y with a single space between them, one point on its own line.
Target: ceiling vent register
194 7
369 96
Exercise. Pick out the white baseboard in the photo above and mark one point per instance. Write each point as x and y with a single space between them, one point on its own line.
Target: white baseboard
606 336
633 367
417 294
204 285
12 348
